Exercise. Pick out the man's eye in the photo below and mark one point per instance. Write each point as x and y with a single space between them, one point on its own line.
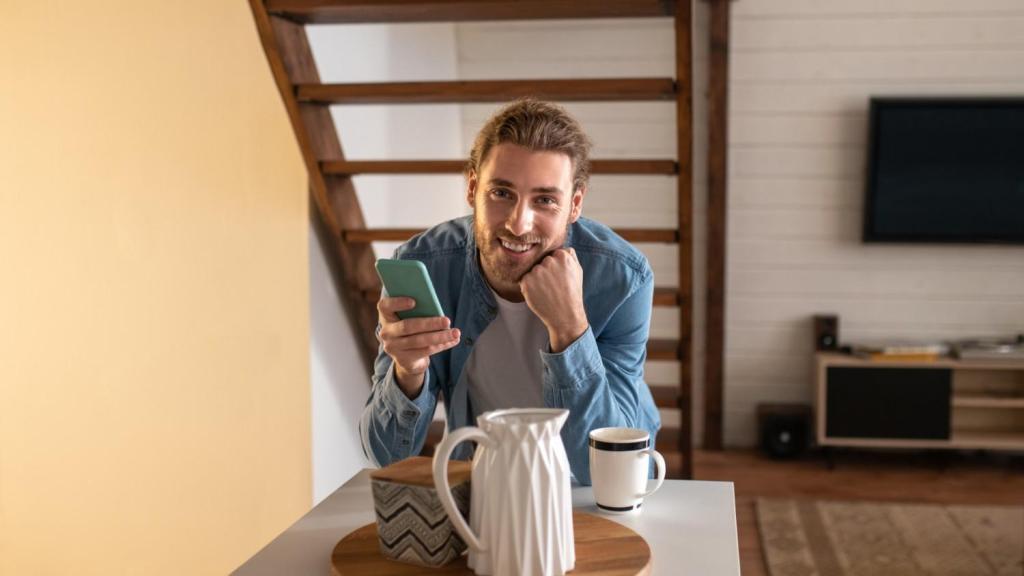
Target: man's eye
500 193
546 200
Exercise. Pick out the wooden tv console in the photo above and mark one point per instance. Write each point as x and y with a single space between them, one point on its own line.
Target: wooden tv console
944 403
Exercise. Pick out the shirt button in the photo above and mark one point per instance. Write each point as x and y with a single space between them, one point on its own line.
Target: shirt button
468 341
409 413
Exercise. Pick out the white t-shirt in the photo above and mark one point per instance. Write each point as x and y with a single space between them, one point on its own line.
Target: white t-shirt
504 369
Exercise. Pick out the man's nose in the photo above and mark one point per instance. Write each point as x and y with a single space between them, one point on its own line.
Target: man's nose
520 221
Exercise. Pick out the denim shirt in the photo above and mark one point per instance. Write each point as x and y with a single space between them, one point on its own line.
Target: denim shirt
598 378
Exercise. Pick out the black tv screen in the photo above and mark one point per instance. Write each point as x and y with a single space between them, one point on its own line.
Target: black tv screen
945 170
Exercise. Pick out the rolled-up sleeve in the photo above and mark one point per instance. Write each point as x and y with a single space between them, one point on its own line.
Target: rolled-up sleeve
393 426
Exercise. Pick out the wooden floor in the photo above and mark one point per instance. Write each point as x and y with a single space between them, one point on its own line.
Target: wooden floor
940 478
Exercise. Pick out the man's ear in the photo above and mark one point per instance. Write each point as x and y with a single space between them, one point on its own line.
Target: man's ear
577 203
471 186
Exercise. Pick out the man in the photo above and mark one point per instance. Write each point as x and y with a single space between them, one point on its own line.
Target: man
546 309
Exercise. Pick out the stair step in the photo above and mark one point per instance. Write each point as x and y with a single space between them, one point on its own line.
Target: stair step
668 439
674 463
434 434
665 396
468 91
662 349
353 11
666 297
354 167
651 235
663 297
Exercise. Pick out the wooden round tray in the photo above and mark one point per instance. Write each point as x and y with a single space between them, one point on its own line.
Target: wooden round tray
602 547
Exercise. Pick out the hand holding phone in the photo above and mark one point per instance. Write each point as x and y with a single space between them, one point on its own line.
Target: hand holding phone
413 326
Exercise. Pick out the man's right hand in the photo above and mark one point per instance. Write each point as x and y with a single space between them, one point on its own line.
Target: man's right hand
410 343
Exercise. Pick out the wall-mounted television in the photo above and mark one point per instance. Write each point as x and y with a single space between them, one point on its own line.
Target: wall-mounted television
945 170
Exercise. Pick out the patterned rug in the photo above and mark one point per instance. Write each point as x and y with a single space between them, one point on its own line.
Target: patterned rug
822 538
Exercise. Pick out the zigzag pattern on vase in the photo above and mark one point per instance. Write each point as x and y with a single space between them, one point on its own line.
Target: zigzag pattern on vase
388 496
414 527
408 548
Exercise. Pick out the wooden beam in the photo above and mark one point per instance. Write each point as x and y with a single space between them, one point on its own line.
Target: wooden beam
652 235
718 130
356 167
280 70
355 11
471 91
684 183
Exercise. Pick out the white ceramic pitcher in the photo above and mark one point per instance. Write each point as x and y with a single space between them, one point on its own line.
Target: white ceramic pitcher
521 503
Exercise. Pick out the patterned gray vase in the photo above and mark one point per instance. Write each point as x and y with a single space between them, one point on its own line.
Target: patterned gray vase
411 522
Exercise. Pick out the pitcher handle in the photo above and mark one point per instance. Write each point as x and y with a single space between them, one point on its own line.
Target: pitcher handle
444 489
659 462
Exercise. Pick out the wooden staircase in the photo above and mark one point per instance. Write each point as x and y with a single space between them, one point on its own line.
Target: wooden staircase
307 100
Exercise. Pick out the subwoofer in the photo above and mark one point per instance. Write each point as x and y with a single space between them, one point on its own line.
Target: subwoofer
785 429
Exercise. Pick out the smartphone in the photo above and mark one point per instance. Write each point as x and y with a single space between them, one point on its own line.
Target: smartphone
409 278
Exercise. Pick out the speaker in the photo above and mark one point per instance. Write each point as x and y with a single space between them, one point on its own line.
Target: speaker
785 429
826 332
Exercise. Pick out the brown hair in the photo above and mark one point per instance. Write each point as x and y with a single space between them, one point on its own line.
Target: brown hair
537 125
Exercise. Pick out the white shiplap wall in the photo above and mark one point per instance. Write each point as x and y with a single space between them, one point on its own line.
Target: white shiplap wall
800 77
613 48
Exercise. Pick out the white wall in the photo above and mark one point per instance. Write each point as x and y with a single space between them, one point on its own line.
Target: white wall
800 77
614 48
340 383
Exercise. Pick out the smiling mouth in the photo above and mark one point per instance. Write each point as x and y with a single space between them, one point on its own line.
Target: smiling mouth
516 247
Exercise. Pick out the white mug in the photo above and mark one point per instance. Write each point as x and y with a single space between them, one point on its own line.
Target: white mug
619 461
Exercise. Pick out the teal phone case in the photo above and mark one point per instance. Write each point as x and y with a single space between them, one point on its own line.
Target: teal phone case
409 278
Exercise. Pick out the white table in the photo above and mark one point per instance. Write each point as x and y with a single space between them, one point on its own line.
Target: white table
689 525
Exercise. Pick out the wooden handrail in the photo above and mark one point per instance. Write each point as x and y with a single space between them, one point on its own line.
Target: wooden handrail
684 206
471 91
356 167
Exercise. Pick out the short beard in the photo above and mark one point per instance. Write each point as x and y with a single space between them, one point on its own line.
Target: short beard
487 254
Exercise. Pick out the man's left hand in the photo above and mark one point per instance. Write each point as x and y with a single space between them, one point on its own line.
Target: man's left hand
553 289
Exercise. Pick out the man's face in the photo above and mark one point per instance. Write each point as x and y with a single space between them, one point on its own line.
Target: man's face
523 204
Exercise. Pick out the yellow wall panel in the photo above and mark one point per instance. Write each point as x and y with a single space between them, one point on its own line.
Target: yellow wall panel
154 356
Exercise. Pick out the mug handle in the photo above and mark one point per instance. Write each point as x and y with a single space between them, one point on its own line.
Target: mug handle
660 465
444 489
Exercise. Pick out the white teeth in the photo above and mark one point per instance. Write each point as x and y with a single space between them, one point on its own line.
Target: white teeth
515 247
